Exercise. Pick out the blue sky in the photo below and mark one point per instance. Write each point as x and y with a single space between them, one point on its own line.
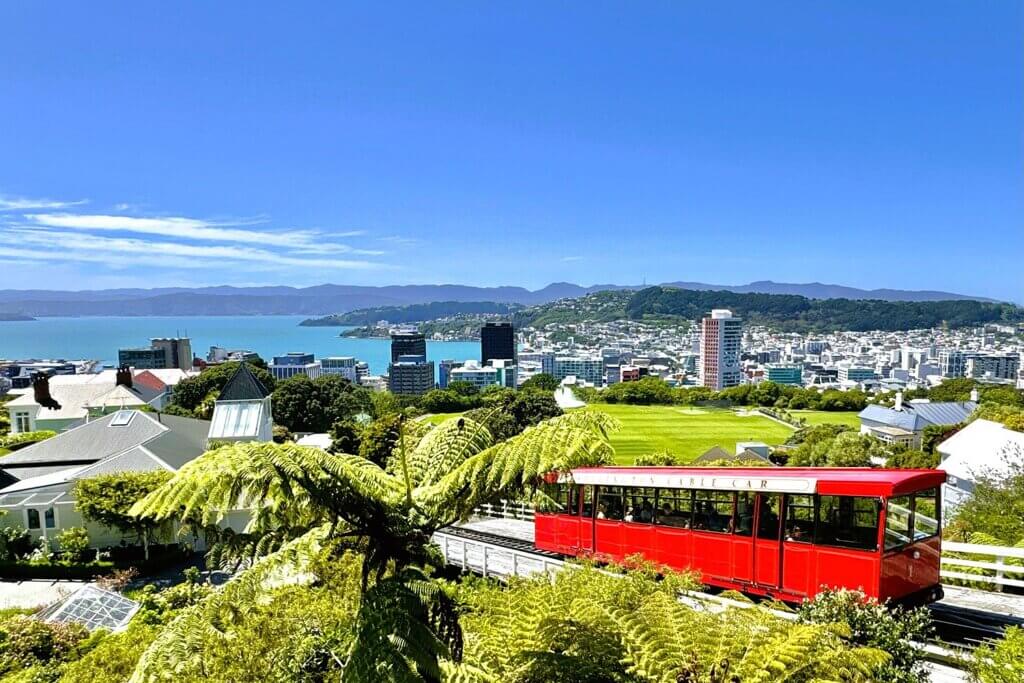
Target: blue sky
870 144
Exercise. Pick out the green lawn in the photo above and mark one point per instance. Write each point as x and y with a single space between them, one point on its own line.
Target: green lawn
820 417
685 431
438 418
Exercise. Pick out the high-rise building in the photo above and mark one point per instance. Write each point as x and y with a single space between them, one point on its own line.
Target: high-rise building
497 342
993 367
407 343
444 372
340 365
163 353
589 369
721 334
411 374
952 363
295 363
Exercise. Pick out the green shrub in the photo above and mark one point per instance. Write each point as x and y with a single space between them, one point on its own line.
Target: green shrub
876 625
13 442
1001 661
27 642
15 543
73 543
114 658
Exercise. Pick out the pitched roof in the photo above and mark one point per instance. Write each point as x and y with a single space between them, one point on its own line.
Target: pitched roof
714 453
916 416
243 386
981 448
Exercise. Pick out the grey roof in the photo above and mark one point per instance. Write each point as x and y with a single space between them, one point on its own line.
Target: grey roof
916 416
132 447
243 386
714 453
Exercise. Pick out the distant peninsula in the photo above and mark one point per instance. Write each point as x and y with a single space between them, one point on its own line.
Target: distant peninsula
15 317
413 313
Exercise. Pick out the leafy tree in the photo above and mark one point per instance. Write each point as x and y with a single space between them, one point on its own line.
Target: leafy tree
380 438
506 413
878 626
448 401
27 642
1001 661
1006 396
464 388
346 436
107 498
190 392
659 459
541 381
114 658
306 502
1010 416
282 434
73 543
312 405
913 460
844 449
645 391
953 389
13 442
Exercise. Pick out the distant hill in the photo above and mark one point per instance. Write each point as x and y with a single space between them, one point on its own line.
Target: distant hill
790 312
412 313
331 299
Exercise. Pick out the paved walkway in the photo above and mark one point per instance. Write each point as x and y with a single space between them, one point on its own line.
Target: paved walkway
985 601
35 593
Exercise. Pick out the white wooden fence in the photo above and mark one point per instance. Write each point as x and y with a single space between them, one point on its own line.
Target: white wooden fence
992 564
988 561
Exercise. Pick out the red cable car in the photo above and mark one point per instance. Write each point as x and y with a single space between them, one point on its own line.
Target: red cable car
786 533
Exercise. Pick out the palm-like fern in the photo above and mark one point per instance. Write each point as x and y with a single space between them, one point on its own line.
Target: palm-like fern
405 626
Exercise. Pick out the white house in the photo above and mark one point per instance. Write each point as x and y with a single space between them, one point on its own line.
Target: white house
981 448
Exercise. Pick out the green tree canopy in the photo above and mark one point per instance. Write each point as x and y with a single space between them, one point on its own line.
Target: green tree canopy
312 405
107 499
190 392
542 381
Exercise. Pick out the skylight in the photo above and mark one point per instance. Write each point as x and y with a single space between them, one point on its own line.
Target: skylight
92 607
122 418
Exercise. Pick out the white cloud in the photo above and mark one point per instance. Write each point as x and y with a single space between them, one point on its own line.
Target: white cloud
76 246
25 204
570 259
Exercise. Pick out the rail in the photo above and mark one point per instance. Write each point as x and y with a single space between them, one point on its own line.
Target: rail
989 562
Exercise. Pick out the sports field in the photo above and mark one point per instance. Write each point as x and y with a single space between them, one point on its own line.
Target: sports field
438 418
685 431
821 417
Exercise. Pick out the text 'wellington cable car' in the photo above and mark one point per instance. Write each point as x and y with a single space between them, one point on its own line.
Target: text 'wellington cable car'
786 533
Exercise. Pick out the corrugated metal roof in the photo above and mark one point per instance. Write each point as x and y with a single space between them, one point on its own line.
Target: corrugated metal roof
93 440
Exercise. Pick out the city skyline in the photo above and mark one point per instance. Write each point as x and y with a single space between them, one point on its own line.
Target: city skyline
194 146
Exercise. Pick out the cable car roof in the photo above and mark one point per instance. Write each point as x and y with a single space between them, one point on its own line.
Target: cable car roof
849 481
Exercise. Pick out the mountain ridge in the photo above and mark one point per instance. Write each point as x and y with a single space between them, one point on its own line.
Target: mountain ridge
330 298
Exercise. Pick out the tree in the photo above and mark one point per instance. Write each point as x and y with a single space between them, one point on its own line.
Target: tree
645 391
463 388
305 500
107 498
312 405
913 460
659 459
542 381
1006 396
346 437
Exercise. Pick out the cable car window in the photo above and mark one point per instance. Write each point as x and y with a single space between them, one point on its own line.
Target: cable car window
588 501
847 522
557 494
745 513
674 507
571 496
799 518
897 522
926 514
640 505
712 511
768 516
609 503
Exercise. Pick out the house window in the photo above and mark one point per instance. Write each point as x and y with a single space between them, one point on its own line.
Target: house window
33 518
22 423
50 518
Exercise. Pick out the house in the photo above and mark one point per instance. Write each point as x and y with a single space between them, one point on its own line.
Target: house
242 411
38 480
904 423
982 448
76 398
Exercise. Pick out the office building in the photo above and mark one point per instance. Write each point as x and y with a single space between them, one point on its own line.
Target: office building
163 353
478 375
785 373
953 363
629 373
444 371
993 367
295 363
508 372
497 342
345 366
588 369
721 334
855 373
411 374
407 343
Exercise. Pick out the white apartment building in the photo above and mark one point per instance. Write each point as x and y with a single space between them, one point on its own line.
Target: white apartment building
340 365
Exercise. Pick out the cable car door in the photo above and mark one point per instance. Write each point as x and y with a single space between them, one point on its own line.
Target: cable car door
586 525
767 547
